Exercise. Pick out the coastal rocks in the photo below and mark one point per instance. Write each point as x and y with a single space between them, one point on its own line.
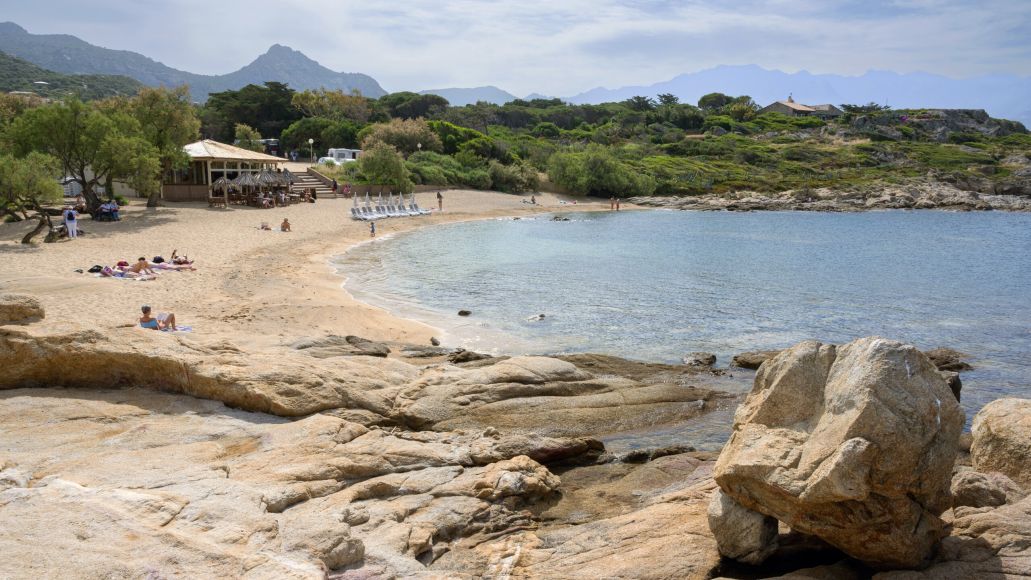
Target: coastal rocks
699 359
132 483
853 444
982 543
741 534
974 489
543 396
289 383
1002 439
465 312
20 309
947 359
753 360
332 346
464 356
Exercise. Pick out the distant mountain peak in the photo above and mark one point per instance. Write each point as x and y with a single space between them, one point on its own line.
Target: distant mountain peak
71 55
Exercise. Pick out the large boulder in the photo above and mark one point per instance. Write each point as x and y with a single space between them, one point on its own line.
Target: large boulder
852 444
1002 439
975 489
741 534
20 309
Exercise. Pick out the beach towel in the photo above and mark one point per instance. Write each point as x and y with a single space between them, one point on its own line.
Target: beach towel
180 329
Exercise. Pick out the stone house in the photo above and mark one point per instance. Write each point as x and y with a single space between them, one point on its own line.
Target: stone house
793 109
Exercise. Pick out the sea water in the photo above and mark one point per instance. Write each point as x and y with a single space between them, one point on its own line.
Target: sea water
653 285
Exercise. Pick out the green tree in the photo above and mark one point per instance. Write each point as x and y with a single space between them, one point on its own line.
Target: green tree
94 143
639 103
268 108
404 135
409 105
669 99
713 101
336 105
168 122
28 184
381 164
247 137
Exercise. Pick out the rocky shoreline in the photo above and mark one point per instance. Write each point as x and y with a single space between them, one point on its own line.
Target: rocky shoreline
136 453
928 194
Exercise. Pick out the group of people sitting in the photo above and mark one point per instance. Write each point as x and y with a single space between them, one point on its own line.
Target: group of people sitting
146 269
283 227
108 212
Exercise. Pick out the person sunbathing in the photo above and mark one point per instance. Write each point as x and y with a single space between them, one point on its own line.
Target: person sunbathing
285 226
163 321
109 272
180 260
142 266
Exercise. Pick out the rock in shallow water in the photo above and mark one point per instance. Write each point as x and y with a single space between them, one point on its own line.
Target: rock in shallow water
853 444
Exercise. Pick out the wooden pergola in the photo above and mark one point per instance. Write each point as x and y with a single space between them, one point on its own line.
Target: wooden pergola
209 161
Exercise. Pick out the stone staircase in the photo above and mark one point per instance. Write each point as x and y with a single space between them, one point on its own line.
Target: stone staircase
306 180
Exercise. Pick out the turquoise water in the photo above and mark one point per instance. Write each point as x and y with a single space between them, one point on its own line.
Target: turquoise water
652 285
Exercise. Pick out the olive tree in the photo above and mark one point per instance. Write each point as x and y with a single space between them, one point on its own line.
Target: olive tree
29 183
93 144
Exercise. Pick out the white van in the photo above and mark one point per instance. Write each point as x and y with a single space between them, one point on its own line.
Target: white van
344 155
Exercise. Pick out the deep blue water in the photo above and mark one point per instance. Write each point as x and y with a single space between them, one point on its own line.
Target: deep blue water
653 285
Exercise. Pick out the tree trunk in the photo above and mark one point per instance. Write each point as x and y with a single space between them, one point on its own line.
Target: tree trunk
155 199
44 223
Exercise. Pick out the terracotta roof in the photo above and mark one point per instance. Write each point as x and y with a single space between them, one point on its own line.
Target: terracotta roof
208 149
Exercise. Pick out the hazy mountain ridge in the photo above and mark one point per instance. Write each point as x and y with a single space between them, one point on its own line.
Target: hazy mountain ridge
70 55
459 97
20 75
1004 96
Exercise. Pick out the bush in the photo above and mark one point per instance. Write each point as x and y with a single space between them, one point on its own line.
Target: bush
596 171
514 178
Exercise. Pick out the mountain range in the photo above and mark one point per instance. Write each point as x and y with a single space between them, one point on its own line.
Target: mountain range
70 55
1005 96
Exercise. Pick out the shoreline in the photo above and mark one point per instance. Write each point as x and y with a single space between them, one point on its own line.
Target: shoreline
250 288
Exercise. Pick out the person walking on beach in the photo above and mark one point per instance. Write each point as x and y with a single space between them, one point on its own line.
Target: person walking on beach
71 223
372 229
617 204
440 201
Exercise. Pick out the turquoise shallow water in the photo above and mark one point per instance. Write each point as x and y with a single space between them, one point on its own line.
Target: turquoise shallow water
653 285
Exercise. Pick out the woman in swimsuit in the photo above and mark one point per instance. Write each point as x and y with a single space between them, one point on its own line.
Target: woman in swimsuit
161 322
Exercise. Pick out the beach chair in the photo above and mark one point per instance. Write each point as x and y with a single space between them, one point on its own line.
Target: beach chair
354 214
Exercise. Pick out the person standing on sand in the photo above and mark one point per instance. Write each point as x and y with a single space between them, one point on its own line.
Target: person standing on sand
617 204
612 203
372 229
71 223
440 201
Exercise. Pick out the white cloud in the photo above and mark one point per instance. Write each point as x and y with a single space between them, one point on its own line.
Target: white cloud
557 47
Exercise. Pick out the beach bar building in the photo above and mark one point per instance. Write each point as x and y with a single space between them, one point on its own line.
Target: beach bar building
210 160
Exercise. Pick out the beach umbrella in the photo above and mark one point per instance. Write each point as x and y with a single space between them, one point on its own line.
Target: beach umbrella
366 200
287 177
267 179
221 184
356 201
246 179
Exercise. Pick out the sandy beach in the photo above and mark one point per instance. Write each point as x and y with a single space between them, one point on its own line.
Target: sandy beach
257 288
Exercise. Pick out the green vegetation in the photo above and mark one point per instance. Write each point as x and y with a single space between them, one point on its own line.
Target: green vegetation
20 75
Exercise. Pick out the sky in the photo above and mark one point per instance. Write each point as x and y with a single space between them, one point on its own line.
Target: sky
554 47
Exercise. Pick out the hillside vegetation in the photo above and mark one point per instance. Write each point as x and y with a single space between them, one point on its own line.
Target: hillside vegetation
20 75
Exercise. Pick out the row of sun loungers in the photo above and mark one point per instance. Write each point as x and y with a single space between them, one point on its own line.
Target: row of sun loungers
381 211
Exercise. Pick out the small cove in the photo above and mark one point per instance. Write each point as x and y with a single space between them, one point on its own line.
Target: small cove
653 285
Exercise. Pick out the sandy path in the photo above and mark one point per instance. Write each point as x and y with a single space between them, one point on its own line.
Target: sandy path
254 288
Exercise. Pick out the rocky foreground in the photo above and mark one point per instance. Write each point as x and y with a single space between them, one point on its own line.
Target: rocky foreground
142 454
